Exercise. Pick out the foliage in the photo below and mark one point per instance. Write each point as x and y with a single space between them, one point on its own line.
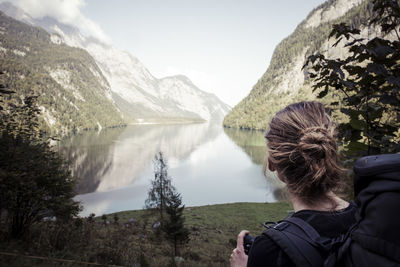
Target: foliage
34 181
161 188
74 95
163 198
173 226
368 81
128 243
269 94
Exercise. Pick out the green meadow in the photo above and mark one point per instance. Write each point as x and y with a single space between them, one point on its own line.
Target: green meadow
128 238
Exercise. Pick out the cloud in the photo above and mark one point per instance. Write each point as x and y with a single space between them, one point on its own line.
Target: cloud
65 11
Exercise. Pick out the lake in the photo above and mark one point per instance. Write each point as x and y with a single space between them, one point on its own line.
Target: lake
208 164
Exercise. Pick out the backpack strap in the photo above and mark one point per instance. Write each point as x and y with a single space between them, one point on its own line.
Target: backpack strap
300 241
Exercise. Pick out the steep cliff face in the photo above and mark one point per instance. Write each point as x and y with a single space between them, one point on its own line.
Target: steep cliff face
73 93
331 10
136 92
182 96
285 82
142 96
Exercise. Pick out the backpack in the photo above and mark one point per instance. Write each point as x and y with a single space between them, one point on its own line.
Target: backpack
374 240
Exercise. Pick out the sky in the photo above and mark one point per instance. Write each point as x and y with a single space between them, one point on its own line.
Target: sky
223 46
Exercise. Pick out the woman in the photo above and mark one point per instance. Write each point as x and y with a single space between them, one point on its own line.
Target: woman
302 150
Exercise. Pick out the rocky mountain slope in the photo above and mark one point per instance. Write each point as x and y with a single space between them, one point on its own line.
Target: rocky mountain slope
73 93
285 82
136 92
144 97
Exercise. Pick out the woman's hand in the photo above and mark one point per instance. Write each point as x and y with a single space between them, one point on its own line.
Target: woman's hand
238 257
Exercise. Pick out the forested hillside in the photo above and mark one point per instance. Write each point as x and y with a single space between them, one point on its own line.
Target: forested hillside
73 94
140 96
284 81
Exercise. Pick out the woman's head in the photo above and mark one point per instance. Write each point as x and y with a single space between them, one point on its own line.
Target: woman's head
302 148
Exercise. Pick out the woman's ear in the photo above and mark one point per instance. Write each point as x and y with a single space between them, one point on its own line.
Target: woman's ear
271 166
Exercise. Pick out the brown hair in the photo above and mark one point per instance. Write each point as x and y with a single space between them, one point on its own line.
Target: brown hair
302 147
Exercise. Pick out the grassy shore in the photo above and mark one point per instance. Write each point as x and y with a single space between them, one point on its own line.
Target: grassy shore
214 228
131 239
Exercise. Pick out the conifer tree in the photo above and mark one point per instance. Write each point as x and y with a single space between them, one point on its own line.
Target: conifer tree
173 226
161 188
34 181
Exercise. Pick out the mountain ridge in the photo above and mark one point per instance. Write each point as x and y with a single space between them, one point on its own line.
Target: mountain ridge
73 94
285 81
135 91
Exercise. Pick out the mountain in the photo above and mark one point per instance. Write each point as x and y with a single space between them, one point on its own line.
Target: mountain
179 91
285 82
136 92
73 93
143 97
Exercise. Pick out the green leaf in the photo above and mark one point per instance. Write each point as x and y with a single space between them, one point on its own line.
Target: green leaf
377 69
355 146
354 114
358 124
388 99
323 92
345 111
355 135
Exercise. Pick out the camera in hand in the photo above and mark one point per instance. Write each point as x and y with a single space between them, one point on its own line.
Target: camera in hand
247 242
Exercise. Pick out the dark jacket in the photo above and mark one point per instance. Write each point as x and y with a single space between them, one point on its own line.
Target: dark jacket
265 252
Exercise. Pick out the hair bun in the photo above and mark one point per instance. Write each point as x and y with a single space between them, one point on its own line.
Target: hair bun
302 148
314 143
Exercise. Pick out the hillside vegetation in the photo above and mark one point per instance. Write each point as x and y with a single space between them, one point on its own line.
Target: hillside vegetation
285 82
73 94
128 238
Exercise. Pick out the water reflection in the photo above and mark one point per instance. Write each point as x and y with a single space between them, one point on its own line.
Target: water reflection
116 157
252 142
208 165
90 156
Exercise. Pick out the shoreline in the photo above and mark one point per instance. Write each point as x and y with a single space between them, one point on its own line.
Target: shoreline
267 206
